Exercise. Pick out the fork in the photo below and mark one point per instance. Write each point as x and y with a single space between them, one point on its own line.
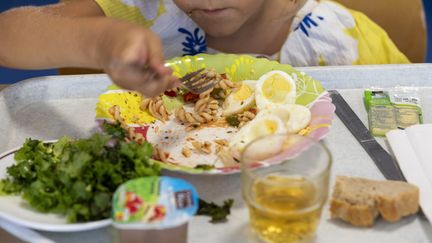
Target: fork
197 82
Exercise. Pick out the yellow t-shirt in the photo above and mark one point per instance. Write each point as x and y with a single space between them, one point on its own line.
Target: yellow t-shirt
322 33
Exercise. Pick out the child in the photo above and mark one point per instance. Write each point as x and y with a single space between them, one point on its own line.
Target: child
142 32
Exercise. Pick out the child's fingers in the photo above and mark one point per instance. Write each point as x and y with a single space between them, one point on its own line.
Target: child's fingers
150 89
162 70
149 83
167 71
145 51
155 86
126 77
174 82
155 52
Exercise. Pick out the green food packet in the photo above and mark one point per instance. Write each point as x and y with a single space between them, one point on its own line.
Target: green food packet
396 108
381 112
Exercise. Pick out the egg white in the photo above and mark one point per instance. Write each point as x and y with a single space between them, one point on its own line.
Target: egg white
258 127
278 95
295 117
232 105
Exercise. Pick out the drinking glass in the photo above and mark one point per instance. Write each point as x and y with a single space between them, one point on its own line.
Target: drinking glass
285 180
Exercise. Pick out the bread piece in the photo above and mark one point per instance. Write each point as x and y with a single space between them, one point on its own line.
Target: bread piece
359 201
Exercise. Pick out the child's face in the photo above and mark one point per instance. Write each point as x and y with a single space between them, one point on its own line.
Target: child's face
221 18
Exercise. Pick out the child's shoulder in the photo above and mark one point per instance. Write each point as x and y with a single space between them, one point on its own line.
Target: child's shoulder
336 35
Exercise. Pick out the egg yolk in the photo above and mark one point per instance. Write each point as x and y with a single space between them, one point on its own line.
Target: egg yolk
243 93
271 126
263 128
275 88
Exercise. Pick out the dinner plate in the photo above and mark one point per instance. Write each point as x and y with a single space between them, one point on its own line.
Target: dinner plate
18 211
309 91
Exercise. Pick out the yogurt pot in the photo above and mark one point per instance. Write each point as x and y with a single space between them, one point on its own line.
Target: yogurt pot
153 210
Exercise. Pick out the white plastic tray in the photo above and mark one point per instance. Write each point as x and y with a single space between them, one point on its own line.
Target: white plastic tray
50 107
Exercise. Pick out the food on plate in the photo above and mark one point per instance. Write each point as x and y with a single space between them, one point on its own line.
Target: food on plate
222 142
206 113
238 112
295 117
275 88
186 152
223 88
359 201
160 154
156 108
204 147
260 126
240 99
241 119
121 130
233 121
77 178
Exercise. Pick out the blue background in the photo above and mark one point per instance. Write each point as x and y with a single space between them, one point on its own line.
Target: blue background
427 4
13 75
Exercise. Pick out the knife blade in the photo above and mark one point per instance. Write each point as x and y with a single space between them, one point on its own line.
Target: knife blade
382 159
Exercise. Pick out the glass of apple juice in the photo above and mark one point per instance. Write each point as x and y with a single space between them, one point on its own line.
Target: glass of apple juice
285 181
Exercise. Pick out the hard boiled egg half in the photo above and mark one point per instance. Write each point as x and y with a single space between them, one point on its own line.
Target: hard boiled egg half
258 127
241 99
294 117
275 88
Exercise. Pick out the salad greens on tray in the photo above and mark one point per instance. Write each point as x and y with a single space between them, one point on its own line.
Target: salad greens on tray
217 213
77 178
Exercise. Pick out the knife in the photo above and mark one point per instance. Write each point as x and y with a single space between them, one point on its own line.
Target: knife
382 159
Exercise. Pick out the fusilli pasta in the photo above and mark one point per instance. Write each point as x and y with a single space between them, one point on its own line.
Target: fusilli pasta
115 113
156 108
186 152
205 115
245 117
131 134
204 147
223 89
160 154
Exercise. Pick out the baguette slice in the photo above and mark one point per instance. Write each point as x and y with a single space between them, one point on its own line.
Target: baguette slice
359 201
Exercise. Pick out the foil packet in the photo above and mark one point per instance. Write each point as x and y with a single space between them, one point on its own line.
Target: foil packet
390 109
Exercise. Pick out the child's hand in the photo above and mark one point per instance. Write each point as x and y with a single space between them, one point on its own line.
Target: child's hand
133 57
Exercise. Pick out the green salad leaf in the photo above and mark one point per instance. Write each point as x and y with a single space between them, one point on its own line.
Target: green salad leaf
114 129
217 213
77 178
233 121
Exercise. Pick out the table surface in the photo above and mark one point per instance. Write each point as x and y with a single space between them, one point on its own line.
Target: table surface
50 107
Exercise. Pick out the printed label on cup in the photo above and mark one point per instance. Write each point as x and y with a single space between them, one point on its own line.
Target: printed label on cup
154 203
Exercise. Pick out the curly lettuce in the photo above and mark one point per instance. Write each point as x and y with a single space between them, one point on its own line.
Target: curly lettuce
77 178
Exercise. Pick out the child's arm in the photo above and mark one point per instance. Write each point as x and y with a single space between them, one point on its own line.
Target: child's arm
76 34
45 37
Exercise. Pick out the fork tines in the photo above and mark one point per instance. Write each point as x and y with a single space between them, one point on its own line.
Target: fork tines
198 82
